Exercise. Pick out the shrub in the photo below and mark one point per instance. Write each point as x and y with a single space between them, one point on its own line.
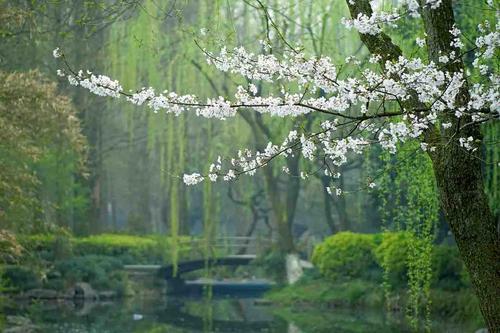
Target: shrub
129 248
37 242
20 278
94 259
460 307
392 255
273 265
10 249
347 255
448 268
62 248
40 246
318 291
94 269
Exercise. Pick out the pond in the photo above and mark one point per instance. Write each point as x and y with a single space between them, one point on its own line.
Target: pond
201 314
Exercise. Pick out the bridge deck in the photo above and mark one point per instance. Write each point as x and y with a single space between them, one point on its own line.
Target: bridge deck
193 265
235 244
142 268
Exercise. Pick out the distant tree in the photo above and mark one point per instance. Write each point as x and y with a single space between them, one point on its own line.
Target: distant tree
428 97
36 125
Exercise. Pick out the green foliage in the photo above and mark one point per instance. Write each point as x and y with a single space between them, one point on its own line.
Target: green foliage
408 193
350 255
448 269
491 132
346 255
460 306
100 271
63 260
128 248
39 247
20 278
62 247
36 125
273 265
392 255
344 259
313 289
10 249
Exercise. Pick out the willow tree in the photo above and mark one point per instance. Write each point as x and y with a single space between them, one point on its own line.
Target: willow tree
290 22
431 100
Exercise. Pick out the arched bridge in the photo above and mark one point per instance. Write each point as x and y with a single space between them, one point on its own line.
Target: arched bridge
227 251
170 271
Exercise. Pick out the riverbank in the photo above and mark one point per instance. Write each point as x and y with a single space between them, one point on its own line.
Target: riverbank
52 266
370 271
460 306
160 313
349 277
61 266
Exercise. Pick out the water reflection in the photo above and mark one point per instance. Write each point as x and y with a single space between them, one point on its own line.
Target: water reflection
195 314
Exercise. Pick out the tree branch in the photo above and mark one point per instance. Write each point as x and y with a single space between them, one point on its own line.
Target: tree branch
380 44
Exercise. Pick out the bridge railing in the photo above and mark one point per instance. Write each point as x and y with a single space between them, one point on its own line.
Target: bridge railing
223 246
193 248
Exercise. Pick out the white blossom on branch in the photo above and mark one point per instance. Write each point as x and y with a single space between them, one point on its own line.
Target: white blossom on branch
387 104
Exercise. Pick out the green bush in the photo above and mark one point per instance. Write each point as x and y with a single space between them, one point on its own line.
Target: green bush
40 246
99 271
460 306
10 249
131 249
62 247
20 278
273 265
347 255
312 290
448 269
392 255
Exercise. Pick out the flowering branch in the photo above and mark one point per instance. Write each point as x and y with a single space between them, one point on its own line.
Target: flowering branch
417 93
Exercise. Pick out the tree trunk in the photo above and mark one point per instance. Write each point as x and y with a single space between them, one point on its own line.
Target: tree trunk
458 172
343 223
327 199
285 237
282 206
460 182
286 243
292 187
341 206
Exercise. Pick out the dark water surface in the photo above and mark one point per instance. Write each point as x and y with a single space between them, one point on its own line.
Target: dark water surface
199 314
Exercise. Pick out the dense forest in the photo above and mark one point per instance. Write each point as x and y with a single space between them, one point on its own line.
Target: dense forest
410 224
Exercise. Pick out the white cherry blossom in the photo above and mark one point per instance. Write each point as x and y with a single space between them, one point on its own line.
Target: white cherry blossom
356 104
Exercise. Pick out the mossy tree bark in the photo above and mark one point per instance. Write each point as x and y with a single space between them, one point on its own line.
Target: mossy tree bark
465 205
458 172
461 183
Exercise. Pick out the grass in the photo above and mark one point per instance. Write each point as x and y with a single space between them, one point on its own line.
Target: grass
459 307
340 320
323 292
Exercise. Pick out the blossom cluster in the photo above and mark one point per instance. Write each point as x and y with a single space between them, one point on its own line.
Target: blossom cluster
357 104
372 25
